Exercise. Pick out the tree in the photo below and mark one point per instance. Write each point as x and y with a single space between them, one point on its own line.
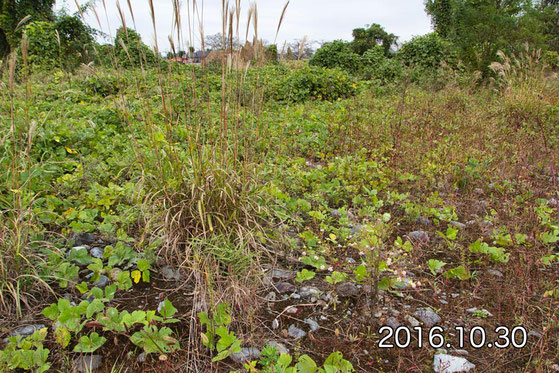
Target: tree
549 17
136 52
271 53
12 12
441 16
365 39
76 40
289 54
66 43
336 54
216 42
427 51
480 28
307 51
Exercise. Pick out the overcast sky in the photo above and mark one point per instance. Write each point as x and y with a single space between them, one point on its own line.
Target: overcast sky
320 20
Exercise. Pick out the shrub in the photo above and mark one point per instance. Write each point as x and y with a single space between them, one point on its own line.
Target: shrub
551 59
314 83
43 45
101 85
65 43
336 54
135 52
427 51
376 66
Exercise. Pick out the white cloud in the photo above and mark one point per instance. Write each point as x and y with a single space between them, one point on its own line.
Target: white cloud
321 20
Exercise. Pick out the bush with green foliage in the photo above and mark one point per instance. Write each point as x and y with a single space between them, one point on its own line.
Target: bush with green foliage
369 38
43 47
65 43
551 58
76 41
131 51
336 54
427 51
12 12
272 53
313 83
376 66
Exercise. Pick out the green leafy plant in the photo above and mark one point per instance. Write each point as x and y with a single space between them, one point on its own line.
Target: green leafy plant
217 336
459 272
336 277
26 353
89 343
497 254
435 265
361 273
304 275
142 272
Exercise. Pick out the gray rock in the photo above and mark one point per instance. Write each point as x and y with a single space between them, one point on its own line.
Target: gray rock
97 252
246 354
26 331
102 282
88 363
350 260
356 229
142 357
392 322
458 225
170 273
335 213
295 332
284 287
83 238
443 363
535 334
494 273
412 321
423 220
295 296
553 202
313 324
308 291
475 309
282 274
280 347
427 317
419 237
347 289
275 324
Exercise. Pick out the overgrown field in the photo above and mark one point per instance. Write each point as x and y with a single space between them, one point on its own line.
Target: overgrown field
179 218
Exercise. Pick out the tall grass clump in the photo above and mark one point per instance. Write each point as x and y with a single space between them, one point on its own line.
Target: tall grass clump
199 145
528 90
18 222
